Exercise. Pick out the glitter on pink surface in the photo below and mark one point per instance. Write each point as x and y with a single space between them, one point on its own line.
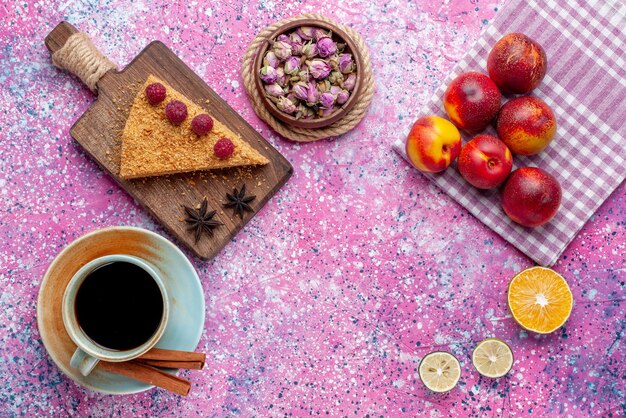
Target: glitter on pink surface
326 302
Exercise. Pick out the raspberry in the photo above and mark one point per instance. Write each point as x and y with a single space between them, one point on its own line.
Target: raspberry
224 148
155 93
176 112
202 124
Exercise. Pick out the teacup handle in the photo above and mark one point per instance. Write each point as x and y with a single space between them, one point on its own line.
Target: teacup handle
83 362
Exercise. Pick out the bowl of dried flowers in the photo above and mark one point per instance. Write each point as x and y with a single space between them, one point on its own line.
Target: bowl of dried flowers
308 73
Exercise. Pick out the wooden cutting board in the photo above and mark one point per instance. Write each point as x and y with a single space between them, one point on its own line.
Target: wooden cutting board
99 129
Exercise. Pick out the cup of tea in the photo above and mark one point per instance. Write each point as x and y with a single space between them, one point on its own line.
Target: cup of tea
115 308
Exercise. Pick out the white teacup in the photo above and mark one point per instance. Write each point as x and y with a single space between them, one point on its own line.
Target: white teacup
89 353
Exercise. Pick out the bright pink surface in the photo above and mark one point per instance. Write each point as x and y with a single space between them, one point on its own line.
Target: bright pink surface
357 268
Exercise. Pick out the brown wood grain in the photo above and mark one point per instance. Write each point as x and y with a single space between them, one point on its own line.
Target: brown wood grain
98 131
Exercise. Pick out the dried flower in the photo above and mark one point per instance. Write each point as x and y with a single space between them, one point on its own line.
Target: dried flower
346 64
341 95
318 68
292 65
281 77
312 95
326 47
295 38
304 74
296 48
349 82
305 32
296 43
333 61
282 49
327 100
335 78
286 105
269 75
304 112
323 86
321 33
322 112
274 90
271 60
300 90
309 50
340 47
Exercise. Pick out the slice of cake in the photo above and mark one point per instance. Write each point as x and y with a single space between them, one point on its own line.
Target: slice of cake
167 133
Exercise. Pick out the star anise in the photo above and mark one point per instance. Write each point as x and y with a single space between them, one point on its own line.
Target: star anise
201 220
239 201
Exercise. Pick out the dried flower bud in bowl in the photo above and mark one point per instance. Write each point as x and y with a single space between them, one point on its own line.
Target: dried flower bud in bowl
308 73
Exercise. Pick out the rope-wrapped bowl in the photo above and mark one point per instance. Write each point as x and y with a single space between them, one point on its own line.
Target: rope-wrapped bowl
345 117
338 35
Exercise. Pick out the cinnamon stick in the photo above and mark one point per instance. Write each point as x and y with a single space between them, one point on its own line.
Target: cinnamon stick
166 364
169 356
148 374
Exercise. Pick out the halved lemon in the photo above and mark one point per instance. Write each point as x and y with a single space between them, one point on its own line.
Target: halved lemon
440 371
540 299
492 357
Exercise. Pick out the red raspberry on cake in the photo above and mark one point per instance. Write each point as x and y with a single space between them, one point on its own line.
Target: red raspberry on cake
176 112
224 148
202 124
155 93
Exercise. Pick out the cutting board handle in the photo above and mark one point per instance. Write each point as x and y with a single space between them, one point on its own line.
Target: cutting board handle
73 51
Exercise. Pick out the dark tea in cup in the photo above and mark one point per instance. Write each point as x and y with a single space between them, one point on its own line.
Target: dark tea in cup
119 306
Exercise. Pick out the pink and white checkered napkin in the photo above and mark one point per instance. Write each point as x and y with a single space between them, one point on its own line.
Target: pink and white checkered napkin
585 85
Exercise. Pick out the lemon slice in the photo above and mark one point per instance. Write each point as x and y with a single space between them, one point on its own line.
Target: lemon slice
492 357
440 371
540 299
